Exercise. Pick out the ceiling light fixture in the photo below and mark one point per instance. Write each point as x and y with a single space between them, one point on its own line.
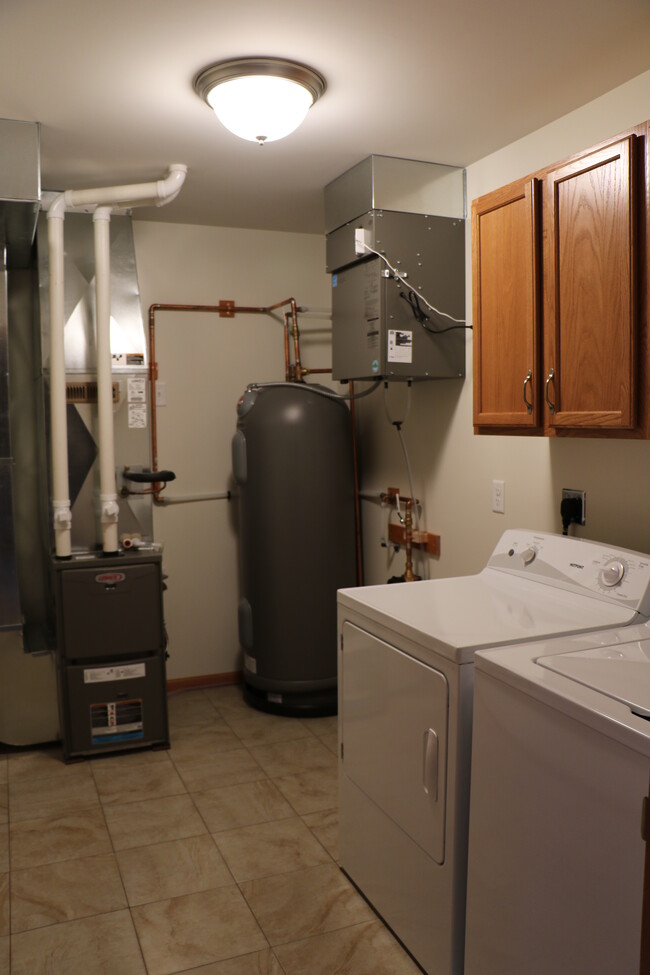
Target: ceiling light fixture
260 99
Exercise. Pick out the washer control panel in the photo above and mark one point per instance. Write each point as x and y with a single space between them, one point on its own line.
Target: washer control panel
577 565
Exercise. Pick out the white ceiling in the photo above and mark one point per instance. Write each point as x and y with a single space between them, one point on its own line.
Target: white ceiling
447 81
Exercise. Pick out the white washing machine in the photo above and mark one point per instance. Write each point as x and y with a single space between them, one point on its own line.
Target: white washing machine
406 655
560 767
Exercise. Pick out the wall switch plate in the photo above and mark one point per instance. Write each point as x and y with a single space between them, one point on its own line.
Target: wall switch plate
499 497
161 393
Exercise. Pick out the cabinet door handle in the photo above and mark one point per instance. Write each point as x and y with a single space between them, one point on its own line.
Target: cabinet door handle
430 764
549 379
528 381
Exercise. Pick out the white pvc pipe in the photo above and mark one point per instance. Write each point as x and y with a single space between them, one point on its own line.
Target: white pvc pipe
110 510
156 193
62 518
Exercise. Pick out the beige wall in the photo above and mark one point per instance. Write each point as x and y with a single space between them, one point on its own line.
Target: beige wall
453 469
207 362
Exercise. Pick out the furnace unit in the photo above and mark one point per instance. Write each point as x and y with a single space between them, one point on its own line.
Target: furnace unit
111 653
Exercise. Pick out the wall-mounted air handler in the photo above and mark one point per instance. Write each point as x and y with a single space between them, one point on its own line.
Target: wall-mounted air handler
396 253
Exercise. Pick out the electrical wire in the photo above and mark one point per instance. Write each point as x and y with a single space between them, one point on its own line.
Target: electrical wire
398 426
462 322
413 299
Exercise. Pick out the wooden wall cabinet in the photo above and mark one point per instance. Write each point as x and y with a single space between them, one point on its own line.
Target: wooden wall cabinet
576 362
505 263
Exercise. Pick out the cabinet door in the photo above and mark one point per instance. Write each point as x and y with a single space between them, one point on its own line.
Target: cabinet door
505 263
590 327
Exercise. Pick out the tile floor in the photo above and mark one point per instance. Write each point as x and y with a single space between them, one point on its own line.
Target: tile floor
217 857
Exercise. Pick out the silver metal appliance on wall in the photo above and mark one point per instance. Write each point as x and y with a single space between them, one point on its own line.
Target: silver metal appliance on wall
396 250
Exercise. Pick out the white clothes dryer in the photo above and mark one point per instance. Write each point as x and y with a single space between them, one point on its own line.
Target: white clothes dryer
560 765
406 656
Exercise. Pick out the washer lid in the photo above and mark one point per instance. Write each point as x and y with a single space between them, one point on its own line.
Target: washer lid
621 672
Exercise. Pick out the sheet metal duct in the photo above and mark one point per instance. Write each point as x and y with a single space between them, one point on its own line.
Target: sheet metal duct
19 202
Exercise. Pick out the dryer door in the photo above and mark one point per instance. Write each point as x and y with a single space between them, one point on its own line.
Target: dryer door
394 735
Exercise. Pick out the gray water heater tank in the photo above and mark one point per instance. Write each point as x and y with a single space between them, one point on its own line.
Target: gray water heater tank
293 464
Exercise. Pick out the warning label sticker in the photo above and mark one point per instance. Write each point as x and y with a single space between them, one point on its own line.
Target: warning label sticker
400 346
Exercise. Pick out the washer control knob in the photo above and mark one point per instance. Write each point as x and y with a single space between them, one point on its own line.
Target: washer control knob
527 555
612 573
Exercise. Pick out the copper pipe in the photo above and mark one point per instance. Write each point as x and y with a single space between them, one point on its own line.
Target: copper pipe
357 504
223 309
315 372
409 575
287 360
296 342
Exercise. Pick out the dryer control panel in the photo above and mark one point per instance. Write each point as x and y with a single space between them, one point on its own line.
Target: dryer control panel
577 565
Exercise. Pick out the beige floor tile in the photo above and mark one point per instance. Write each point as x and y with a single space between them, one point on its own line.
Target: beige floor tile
4 904
321 727
294 906
43 764
228 698
292 757
270 848
365 949
61 794
198 745
166 870
153 821
197 929
190 708
131 758
226 768
4 804
241 805
131 783
101 945
258 963
258 728
40 841
4 956
3 771
331 742
4 848
64 891
310 791
325 827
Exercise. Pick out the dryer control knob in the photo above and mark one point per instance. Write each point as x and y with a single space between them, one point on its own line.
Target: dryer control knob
612 573
527 556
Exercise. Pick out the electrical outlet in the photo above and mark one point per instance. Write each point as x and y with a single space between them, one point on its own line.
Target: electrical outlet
499 497
580 496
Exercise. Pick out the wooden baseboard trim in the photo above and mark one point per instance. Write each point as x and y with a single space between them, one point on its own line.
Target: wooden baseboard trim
176 684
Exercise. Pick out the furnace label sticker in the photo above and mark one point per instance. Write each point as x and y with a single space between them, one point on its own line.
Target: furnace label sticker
137 416
137 392
400 346
97 675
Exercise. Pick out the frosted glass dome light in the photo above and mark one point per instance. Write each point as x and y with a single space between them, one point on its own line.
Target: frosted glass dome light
260 99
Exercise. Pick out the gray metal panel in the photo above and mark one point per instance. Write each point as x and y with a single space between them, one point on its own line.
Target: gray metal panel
386 182
109 606
10 612
367 302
